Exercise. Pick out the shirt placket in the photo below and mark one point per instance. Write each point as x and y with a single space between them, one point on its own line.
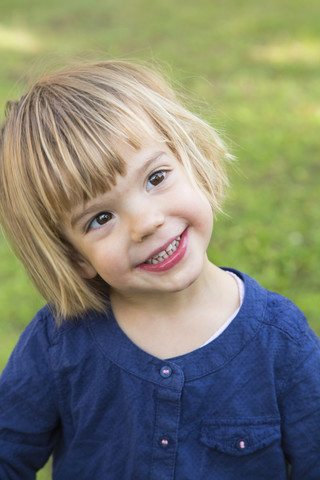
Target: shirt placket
167 419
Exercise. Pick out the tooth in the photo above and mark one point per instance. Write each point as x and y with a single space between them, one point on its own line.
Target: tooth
164 254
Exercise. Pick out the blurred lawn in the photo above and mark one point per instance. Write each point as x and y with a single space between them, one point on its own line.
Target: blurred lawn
255 70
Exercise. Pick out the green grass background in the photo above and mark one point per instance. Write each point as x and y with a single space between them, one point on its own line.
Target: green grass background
252 69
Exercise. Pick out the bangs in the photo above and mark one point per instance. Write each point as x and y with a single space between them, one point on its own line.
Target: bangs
68 145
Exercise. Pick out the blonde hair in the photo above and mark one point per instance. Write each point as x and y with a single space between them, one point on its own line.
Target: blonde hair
57 148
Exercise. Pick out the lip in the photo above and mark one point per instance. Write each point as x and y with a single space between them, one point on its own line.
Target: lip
171 261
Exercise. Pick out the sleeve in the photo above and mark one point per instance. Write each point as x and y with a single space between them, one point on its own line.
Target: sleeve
300 405
28 412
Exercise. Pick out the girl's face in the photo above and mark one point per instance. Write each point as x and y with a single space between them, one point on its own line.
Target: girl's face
150 232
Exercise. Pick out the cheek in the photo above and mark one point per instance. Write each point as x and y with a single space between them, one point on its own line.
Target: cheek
201 211
206 224
203 221
107 262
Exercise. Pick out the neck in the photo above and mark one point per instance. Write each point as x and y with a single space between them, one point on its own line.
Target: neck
168 305
169 325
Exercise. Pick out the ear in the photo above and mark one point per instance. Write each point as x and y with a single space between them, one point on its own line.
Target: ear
85 269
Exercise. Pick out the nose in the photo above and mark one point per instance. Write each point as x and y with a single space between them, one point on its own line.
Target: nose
144 223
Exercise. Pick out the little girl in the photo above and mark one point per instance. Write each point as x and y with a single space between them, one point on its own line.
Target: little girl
148 362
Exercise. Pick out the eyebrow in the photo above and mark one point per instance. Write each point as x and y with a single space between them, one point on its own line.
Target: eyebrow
99 206
93 209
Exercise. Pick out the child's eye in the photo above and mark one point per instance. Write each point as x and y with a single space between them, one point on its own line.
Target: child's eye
99 220
156 178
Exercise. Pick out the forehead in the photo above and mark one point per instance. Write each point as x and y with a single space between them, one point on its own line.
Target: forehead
136 161
147 148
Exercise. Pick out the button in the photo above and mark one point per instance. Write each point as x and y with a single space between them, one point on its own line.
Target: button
164 442
242 445
165 372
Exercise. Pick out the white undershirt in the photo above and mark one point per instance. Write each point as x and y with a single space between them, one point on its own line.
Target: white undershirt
227 323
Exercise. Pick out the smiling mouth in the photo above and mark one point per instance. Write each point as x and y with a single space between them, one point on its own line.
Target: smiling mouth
164 254
169 257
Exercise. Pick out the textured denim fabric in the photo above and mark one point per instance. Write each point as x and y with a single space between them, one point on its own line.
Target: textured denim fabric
244 406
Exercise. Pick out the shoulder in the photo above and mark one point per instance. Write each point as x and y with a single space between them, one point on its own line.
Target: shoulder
280 333
291 333
43 329
44 333
282 314
44 349
278 316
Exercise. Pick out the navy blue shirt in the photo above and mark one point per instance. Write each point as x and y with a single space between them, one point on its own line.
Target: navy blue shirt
245 406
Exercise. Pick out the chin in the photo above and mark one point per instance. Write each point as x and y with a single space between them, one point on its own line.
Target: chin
181 284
